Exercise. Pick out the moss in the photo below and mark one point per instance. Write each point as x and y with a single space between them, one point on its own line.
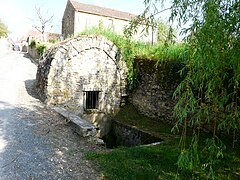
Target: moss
128 114
65 93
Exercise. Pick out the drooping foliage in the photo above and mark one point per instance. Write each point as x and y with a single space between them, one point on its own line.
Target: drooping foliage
208 97
165 34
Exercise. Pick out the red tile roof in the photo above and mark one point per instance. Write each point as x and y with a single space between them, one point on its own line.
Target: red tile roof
37 34
33 33
93 9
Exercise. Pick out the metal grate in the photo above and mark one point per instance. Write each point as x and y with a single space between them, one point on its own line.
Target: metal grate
91 99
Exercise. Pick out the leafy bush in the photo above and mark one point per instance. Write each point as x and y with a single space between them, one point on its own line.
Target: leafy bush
53 41
41 48
32 44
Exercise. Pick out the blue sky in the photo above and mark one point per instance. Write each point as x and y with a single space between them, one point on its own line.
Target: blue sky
20 15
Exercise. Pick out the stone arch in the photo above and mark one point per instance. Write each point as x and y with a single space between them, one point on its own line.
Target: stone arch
77 67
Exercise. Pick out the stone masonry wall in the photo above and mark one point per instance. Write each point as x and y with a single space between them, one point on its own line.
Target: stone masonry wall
86 63
33 53
68 21
153 97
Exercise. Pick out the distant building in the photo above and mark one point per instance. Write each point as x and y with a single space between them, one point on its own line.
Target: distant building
37 36
47 38
79 17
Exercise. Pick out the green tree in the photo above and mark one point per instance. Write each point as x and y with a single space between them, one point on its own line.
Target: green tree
3 29
209 95
166 34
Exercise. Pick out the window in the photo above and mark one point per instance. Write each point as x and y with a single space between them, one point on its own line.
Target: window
110 24
91 100
88 23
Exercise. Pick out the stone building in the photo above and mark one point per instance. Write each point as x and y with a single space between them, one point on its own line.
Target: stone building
78 17
86 76
39 37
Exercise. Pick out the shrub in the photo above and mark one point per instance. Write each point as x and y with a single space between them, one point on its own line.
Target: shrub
53 41
41 48
32 44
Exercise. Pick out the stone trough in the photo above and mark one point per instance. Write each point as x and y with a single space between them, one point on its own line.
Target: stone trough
82 127
126 135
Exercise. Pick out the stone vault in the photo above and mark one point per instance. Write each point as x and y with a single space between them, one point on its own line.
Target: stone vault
85 75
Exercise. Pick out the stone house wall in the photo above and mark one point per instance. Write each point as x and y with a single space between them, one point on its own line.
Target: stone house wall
73 71
74 22
85 21
154 95
68 21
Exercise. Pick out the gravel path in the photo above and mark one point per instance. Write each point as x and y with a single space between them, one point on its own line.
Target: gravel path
35 142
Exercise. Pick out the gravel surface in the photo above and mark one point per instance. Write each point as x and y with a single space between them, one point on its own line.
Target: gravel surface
35 142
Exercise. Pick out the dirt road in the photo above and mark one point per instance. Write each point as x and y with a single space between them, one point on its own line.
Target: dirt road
35 142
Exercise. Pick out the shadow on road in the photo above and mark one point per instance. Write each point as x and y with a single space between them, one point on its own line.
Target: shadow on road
30 88
36 143
26 55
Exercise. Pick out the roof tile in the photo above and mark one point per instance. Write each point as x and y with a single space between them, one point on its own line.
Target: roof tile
101 11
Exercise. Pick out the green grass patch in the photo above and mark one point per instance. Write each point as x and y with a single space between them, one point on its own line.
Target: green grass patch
136 49
161 53
159 161
141 162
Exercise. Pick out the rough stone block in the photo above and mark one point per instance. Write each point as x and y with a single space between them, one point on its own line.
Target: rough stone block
82 127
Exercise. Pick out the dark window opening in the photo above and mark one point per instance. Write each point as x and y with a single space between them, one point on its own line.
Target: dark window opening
92 99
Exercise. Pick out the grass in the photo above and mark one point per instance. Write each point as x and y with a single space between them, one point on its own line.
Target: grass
161 53
138 162
136 49
132 50
159 161
141 162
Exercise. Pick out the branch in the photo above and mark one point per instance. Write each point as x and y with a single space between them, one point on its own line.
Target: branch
38 28
44 21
